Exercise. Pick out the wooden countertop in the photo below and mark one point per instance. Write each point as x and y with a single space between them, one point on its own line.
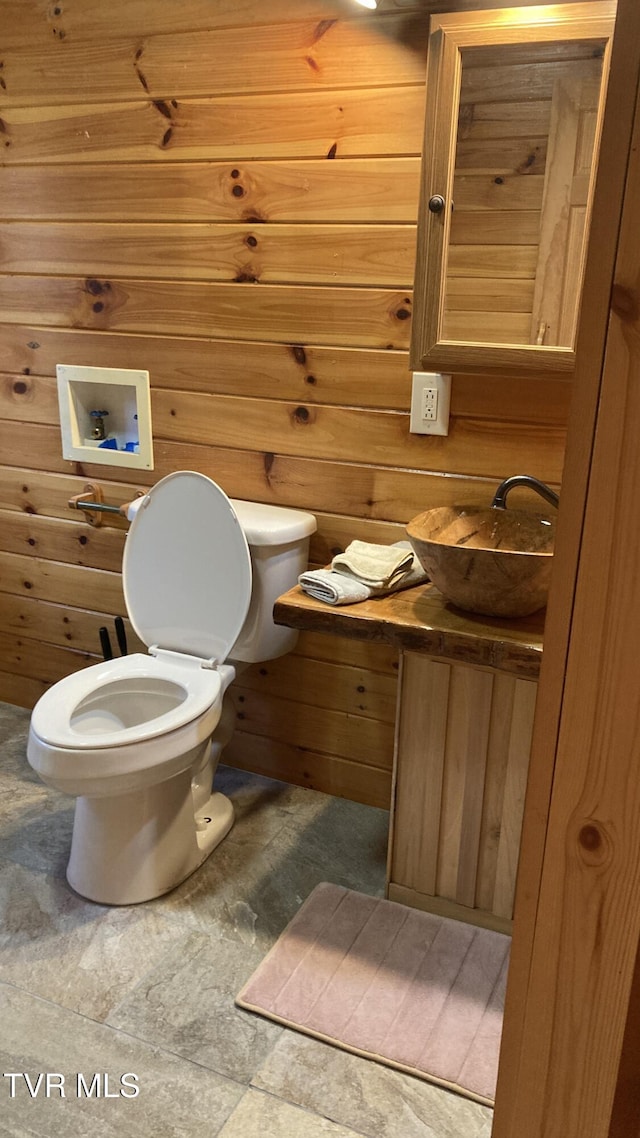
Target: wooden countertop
420 620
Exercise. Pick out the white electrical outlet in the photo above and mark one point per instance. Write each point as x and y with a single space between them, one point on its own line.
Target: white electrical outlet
430 404
430 401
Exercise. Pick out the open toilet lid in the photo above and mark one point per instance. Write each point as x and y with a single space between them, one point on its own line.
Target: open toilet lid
187 569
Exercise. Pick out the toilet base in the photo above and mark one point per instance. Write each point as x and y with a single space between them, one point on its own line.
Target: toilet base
134 847
213 823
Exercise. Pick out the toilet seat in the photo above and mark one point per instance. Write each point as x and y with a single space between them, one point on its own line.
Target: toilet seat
187 583
186 571
187 691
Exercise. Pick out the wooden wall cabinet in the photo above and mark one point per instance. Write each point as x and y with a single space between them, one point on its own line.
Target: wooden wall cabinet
515 100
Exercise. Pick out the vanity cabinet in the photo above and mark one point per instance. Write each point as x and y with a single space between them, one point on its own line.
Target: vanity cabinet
515 99
461 764
466 702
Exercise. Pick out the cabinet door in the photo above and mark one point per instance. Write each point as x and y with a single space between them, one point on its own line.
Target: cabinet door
515 99
462 757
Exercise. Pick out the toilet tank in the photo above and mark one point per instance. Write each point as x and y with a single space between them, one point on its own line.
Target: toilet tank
278 540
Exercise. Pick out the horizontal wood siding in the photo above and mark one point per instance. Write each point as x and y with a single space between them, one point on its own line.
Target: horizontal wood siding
227 196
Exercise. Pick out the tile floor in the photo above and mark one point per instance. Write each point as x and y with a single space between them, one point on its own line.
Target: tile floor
148 990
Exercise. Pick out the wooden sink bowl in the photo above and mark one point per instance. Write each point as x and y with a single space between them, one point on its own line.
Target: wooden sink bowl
490 561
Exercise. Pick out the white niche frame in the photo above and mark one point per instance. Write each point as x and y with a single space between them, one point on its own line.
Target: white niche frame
124 393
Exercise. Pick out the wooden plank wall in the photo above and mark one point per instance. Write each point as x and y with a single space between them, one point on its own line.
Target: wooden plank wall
227 196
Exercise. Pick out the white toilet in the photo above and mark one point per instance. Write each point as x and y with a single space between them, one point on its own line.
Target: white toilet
137 739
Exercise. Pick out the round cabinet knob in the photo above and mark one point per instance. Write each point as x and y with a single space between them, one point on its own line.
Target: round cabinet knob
436 203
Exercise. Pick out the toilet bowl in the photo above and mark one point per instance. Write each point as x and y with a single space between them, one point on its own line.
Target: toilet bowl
137 739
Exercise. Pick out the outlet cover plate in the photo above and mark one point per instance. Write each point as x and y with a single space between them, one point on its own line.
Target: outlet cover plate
435 381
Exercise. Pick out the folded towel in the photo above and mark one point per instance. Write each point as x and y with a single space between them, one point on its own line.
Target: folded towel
374 565
334 588
342 589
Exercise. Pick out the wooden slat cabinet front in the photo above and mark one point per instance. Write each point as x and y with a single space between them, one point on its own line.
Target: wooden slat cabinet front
463 736
514 108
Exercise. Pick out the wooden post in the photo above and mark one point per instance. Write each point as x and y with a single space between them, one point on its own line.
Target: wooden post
569 1043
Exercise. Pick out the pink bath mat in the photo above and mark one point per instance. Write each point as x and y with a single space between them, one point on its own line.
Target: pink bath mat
418 992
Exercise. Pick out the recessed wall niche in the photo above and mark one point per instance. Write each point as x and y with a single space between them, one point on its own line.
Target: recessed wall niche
105 415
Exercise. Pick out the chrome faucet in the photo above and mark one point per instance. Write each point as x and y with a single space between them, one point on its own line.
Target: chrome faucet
500 497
